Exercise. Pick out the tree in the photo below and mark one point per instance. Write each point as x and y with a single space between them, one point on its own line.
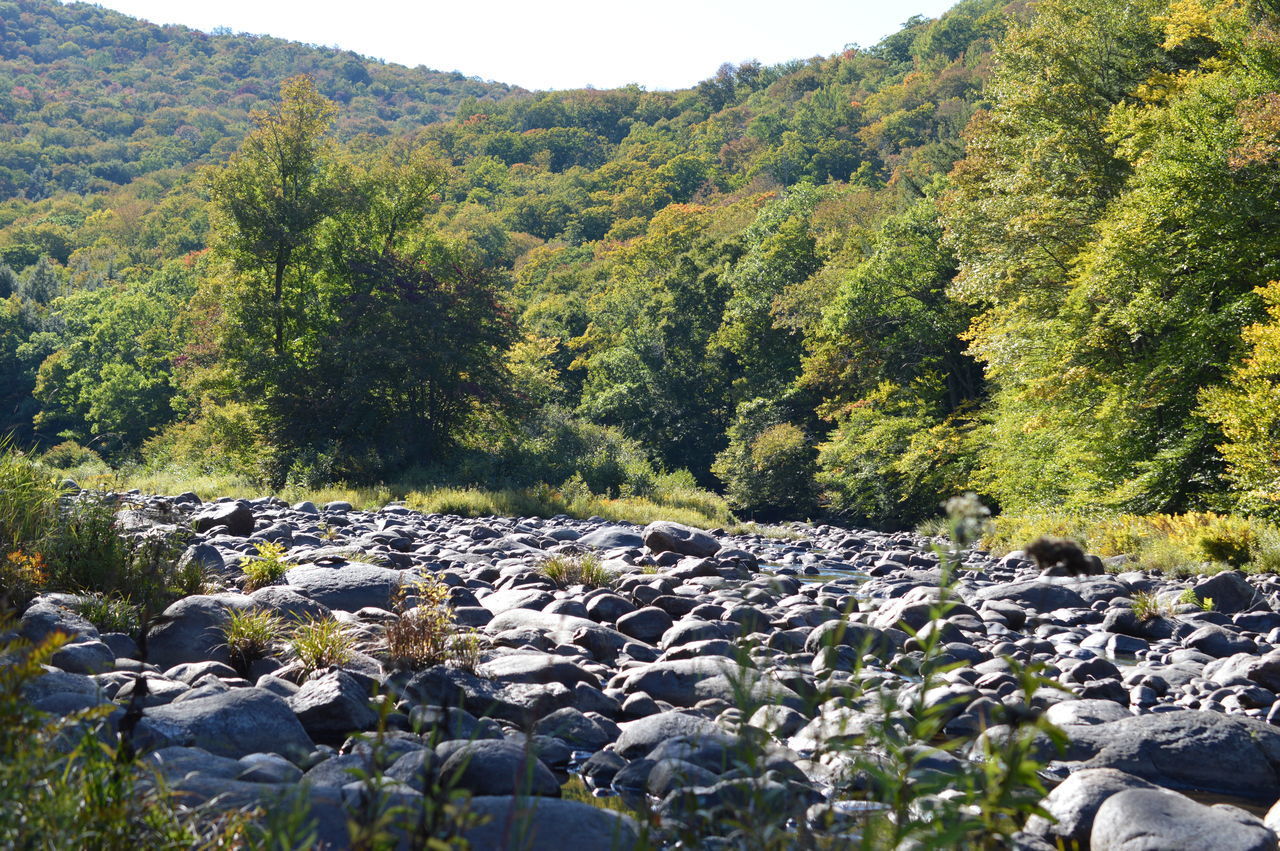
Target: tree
269 200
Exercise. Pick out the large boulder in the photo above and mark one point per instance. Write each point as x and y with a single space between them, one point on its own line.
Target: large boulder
190 630
666 537
233 723
350 587
236 516
1205 751
1230 592
498 767
1074 803
1159 820
549 824
640 737
686 682
1035 594
333 706
612 538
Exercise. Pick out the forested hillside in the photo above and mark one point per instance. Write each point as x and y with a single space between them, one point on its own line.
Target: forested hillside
1023 249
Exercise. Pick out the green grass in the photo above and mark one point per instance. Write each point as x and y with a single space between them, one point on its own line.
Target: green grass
586 570
251 635
320 642
669 501
1176 545
267 569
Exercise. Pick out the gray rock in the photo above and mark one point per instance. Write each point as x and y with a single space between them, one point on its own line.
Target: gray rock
85 657
333 706
498 767
665 537
190 630
686 682
233 724
646 624
236 516
268 768
517 598
1160 820
45 617
289 603
348 588
571 726
1035 594
1208 751
1230 592
549 824
1074 803
640 737
536 668
612 537
1071 712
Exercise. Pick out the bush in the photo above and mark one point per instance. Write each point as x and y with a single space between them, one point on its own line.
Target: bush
425 632
71 459
769 466
319 643
267 569
251 635
586 570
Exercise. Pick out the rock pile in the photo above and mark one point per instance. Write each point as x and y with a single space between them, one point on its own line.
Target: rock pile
640 688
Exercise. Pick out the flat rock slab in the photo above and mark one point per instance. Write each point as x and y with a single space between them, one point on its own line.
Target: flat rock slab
612 538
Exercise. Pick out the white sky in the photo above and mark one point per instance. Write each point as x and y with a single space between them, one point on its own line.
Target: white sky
660 44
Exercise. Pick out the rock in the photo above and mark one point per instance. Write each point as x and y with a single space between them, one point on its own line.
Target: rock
686 682
517 598
646 624
498 767
268 768
190 630
44 618
85 657
663 537
549 824
234 723
1074 803
1188 749
350 587
1159 820
1070 712
640 737
536 668
333 706
612 538
1035 594
236 516
1230 592
1218 642
571 726
289 603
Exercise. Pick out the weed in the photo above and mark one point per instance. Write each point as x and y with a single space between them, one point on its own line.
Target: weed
586 570
1147 606
319 643
251 635
110 613
267 569
22 575
28 499
425 632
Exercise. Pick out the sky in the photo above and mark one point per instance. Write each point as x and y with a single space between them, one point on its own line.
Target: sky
558 44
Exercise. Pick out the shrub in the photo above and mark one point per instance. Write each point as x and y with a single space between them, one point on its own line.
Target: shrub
251 635
71 459
267 569
586 570
22 575
319 643
110 613
769 465
425 633
67 784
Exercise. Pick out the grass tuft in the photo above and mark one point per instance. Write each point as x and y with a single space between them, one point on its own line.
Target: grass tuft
267 569
585 570
251 635
320 643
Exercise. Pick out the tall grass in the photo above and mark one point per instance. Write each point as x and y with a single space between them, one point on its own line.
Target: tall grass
672 498
1176 544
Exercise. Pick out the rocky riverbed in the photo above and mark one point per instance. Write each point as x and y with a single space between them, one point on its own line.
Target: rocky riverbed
717 673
